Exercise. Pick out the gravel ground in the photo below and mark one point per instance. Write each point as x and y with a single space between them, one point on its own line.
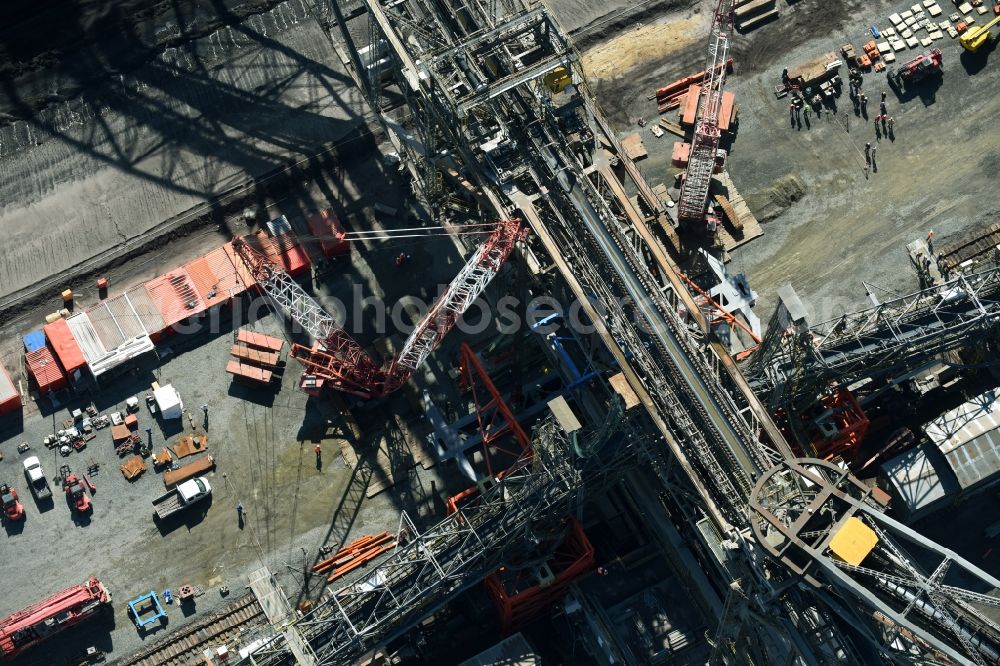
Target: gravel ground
262 443
102 168
844 229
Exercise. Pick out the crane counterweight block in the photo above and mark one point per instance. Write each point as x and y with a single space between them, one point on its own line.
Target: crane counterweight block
335 360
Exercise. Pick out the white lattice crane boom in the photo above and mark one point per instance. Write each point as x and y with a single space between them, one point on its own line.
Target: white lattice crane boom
338 361
705 145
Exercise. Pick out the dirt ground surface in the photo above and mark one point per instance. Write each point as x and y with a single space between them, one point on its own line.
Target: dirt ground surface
140 149
844 229
188 122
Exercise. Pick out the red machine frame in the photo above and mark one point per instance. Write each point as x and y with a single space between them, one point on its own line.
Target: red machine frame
495 418
519 606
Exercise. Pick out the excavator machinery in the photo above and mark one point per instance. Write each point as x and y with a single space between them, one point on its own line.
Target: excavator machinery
974 38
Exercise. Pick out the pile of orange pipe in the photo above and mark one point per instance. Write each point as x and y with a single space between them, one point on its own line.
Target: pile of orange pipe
669 96
355 554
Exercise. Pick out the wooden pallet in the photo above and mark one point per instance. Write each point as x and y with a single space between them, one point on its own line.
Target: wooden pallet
673 128
974 248
732 218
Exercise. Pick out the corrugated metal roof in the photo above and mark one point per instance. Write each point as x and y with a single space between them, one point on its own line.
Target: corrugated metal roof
64 345
215 277
145 309
175 297
43 367
243 275
7 388
916 480
119 331
969 438
86 337
285 251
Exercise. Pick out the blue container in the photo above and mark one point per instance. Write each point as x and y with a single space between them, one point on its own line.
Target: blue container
34 340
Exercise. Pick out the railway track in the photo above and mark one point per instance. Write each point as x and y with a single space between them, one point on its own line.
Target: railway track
186 645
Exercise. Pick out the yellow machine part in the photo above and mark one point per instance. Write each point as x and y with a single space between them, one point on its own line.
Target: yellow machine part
557 80
974 38
853 541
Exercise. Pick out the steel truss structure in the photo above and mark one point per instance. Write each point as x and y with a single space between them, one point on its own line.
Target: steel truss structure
337 359
802 504
468 73
799 360
705 145
495 419
524 504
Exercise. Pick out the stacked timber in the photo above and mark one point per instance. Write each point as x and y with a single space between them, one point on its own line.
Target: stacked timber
729 213
748 14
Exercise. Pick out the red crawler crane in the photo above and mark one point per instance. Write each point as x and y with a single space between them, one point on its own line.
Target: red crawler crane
29 627
336 360
705 145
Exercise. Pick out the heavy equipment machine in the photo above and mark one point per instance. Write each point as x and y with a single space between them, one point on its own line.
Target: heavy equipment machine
76 494
184 495
705 145
13 510
62 610
336 360
974 38
918 69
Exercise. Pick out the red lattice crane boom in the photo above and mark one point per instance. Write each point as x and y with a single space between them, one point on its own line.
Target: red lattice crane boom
336 360
705 145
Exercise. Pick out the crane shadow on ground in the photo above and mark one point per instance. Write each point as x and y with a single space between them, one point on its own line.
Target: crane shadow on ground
973 63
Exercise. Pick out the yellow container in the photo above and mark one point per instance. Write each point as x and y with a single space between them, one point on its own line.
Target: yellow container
55 316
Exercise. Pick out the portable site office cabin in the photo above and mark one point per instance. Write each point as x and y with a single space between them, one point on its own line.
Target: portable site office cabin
10 398
168 402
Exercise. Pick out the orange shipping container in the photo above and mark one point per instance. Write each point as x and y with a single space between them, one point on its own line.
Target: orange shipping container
65 346
10 399
325 227
285 251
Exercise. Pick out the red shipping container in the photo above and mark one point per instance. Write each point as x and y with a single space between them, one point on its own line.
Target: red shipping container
45 370
325 227
65 346
215 277
175 296
10 398
285 251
